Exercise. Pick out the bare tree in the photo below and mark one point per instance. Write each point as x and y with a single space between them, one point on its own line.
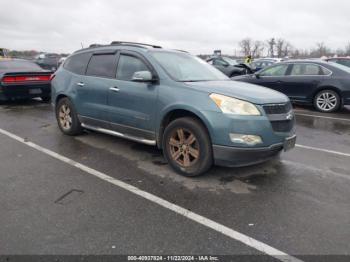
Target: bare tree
271 45
283 48
258 49
321 50
347 50
246 46
280 47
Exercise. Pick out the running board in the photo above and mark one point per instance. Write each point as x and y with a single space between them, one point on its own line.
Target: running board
113 133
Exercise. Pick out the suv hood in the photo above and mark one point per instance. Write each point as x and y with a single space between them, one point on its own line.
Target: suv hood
244 91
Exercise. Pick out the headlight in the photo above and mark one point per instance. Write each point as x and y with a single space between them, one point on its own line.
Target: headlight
230 105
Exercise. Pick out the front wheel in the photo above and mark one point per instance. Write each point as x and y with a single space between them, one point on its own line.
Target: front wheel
327 101
187 147
67 117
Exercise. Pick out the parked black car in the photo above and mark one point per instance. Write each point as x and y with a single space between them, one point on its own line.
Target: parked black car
326 85
340 60
229 67
22 79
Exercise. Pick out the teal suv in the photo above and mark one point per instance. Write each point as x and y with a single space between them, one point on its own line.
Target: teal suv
172 100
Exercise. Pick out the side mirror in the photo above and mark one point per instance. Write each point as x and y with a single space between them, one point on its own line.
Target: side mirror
142 76
257 76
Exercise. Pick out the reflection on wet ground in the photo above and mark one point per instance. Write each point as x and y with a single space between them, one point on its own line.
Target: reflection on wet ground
335 126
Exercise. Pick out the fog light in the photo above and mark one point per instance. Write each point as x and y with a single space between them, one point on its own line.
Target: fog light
246 139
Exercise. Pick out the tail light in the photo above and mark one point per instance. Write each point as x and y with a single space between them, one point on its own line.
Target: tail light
21 79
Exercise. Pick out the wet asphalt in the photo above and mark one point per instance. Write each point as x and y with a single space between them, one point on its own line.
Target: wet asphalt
299 203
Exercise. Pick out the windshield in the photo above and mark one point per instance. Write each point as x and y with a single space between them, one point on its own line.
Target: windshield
18 65
187 68
230 61
341 67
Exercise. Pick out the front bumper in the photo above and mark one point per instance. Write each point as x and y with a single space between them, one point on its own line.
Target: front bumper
237 157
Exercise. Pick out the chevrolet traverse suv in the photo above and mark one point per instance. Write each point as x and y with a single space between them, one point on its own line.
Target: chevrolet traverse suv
173 100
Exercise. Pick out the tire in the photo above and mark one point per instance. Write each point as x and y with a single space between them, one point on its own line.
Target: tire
327 101
67 118
46 99
190 155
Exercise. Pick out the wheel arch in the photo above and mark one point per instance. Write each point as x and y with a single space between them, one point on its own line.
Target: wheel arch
328 87
176 113
59 97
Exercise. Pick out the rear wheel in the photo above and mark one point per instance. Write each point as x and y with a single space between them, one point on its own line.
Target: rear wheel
327 101
67 118
187 146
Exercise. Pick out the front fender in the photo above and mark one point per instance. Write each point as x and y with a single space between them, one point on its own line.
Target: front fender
186 107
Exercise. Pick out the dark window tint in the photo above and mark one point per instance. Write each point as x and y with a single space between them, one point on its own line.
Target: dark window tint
344 62
277 70
128 65
219 62
77 63
18 65
102 65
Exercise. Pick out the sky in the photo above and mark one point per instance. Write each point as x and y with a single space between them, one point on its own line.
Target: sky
197 26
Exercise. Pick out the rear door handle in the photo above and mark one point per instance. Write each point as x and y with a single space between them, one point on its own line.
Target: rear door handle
80 84
114 89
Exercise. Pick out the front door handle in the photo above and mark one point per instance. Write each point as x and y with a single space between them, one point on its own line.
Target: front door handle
80 84
114 89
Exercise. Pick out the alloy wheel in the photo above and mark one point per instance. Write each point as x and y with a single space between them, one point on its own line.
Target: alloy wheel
326 101
65 117
184 148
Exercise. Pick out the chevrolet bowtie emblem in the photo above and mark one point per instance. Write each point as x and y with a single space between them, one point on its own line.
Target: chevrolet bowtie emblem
289 116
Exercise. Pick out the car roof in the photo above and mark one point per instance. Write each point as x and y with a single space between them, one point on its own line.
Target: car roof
314 61
117 45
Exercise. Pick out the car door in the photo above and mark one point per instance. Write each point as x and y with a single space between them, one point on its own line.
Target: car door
132 104
302 80
74 85
272 77
100 76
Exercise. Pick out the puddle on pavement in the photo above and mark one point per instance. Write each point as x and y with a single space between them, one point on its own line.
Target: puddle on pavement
337 127
237 180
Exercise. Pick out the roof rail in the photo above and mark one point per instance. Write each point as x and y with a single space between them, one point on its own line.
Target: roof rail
94 45
179 50
133 43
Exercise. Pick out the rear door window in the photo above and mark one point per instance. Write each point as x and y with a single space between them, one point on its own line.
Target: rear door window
128 65
308 70
102 65
77 63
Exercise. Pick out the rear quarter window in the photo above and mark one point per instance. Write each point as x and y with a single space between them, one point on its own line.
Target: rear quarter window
77 63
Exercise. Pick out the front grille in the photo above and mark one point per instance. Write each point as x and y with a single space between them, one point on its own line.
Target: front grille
278 113
282 126
274 109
